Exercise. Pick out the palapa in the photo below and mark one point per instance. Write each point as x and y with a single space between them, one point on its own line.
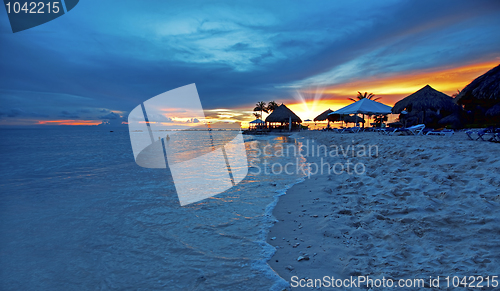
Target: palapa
323 116
283 114
423 99
483 91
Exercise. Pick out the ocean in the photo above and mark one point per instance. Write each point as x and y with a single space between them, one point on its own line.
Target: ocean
77 213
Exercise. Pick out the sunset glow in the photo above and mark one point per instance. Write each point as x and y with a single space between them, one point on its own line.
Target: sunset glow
69 122
390 88
309 102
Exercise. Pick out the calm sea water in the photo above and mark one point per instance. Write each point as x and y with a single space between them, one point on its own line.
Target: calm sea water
77 213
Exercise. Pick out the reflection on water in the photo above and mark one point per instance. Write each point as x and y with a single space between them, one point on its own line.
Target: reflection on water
78 214
186 145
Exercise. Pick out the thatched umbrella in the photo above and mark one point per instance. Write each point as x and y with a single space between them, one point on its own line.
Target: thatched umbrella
353 119
395 124
494 111
454 120
423 100
493 114
323 116
483 91
334 117
480 96
283 115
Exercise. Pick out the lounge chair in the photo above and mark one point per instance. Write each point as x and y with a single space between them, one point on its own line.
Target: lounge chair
496 137
351 129
415 130
387 130
482 133
445 132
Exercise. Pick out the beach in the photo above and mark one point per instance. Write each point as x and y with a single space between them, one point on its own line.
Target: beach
425 206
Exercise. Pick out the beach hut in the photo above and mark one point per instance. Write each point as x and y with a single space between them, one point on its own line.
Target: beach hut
353 119
481 96
256 123
494 111
327 115
427 106
454 120
282 118
396 124
493 114
364 106
323 116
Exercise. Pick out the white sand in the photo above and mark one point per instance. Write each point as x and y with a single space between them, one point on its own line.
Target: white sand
427 206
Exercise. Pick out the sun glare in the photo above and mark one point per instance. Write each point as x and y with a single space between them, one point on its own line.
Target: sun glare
310 102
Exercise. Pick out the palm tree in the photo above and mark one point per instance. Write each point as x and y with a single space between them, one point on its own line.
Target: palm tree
261 106
455 94
363 96
271 106
257 115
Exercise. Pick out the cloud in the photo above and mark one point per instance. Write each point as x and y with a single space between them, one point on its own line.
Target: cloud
16 112
112 119
259 59
66 114
111 115
240 46
192 120
159 118
237 54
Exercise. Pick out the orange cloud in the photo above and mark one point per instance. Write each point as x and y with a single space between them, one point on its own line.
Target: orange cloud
69 122
391 88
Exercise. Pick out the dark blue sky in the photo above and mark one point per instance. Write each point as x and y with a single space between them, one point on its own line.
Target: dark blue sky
108 56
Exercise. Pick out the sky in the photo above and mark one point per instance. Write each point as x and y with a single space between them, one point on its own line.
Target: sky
103 58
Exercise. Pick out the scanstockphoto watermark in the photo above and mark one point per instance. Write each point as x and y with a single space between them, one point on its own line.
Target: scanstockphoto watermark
309 158
364 282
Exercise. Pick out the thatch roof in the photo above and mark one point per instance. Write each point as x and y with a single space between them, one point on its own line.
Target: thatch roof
485 87
334 117
282 114
353 119
493 111
258 121
394 124
423 99
453 119
323 116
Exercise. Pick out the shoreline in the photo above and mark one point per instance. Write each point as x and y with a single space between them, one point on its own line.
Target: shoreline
399 219
269 221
